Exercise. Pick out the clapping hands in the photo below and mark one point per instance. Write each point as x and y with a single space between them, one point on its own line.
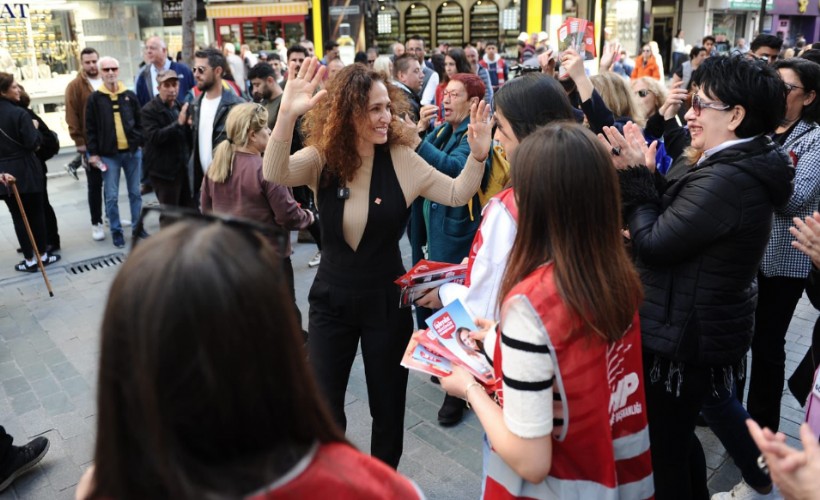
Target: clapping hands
629 149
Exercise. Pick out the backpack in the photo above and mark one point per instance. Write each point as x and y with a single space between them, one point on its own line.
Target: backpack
498 176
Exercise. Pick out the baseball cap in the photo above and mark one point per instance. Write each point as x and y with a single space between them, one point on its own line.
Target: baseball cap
167 74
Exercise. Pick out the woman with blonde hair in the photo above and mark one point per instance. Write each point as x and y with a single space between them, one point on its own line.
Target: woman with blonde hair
618 98
234 183
650 94
360 163
384 65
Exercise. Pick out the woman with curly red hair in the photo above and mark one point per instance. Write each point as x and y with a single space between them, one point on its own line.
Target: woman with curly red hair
360 164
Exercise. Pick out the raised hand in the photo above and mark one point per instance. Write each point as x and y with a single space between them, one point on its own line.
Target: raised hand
300 94
611 49
674 100
807 236
480 130
547 62
574 64
6 179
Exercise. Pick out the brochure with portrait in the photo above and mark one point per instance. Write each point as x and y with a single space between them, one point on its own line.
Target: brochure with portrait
579 35
419 358
449 334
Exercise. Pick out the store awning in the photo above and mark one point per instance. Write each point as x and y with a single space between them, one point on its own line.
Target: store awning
257 10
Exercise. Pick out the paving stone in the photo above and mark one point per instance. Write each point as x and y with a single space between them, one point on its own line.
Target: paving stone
57 404
45 387
24 403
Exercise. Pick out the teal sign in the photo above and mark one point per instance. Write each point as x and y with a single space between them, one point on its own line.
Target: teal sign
750 5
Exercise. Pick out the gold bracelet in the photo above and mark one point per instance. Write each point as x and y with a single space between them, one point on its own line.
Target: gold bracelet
467 392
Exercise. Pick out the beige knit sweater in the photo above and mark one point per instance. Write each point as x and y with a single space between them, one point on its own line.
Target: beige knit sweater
416 178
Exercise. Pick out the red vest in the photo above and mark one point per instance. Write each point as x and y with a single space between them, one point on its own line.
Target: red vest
339 471
600 436
507 198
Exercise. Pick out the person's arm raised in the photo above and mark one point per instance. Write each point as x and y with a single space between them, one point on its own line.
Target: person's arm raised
300 96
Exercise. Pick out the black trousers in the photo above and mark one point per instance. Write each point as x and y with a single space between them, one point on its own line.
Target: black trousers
777 299
34 206
678 462
5 445
52 232
339 318
304 196
95 194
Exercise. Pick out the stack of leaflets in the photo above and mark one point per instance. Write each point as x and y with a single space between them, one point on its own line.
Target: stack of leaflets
579 35
445 343
425 276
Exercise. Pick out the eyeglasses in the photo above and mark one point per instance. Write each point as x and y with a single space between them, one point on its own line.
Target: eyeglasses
199 69
151 217
698 104
790 87
643 92
451 95
109 70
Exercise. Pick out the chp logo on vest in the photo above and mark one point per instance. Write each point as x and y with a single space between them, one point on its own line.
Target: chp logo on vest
621 384
14 11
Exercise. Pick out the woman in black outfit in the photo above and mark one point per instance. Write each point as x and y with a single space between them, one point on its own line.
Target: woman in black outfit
698 242
19 141
365 177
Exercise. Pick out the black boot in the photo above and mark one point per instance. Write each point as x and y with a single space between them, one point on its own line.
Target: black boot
451 412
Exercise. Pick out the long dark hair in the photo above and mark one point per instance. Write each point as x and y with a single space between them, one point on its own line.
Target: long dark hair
569 213
809 74
462 64
530 101
204 390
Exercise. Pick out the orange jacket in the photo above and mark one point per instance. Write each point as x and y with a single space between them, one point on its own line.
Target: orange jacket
649 68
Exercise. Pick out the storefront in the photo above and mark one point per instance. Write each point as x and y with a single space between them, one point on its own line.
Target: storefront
735 19
42 48
792 18
258 24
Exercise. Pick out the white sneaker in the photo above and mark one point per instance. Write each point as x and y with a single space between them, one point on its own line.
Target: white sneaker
316 260
97 232
743 491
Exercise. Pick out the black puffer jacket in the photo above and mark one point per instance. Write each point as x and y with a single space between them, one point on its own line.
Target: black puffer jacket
698 242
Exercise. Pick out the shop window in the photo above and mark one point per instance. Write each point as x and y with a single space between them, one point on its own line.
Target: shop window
623 24
387 28
450 24
484 21
417 22
510 28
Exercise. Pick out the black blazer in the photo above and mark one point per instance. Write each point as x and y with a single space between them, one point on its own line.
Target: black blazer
166 141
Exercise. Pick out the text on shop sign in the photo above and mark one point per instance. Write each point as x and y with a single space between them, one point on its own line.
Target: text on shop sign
14 11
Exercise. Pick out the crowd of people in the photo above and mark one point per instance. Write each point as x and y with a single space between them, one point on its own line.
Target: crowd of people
645 236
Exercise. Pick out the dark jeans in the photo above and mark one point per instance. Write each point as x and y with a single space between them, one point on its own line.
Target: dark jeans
727 418
287 266
95 194
677 456
34 206
776 301
339 318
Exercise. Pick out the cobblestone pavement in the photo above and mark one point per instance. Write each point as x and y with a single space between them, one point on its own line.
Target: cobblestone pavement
48 368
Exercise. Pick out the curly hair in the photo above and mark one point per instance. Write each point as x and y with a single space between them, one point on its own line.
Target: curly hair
332 126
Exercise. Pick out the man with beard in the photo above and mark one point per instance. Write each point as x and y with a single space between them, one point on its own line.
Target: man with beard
166 151
265 90
211 109
296 56
76 96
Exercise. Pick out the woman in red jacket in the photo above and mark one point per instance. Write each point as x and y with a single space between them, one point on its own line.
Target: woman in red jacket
646 65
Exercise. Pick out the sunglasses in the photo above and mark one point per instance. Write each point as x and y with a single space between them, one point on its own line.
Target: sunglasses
643 93
699 104
790 87
109 70
199 69
151 217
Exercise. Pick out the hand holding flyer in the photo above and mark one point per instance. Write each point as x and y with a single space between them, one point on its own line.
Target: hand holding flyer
448 342
426 275
578 35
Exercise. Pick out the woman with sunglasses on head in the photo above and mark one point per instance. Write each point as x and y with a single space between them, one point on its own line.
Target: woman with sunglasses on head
359 163
697 242
783 272
234 183
204 391
570 418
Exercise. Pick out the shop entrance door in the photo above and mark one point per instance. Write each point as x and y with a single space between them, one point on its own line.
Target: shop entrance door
663 20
